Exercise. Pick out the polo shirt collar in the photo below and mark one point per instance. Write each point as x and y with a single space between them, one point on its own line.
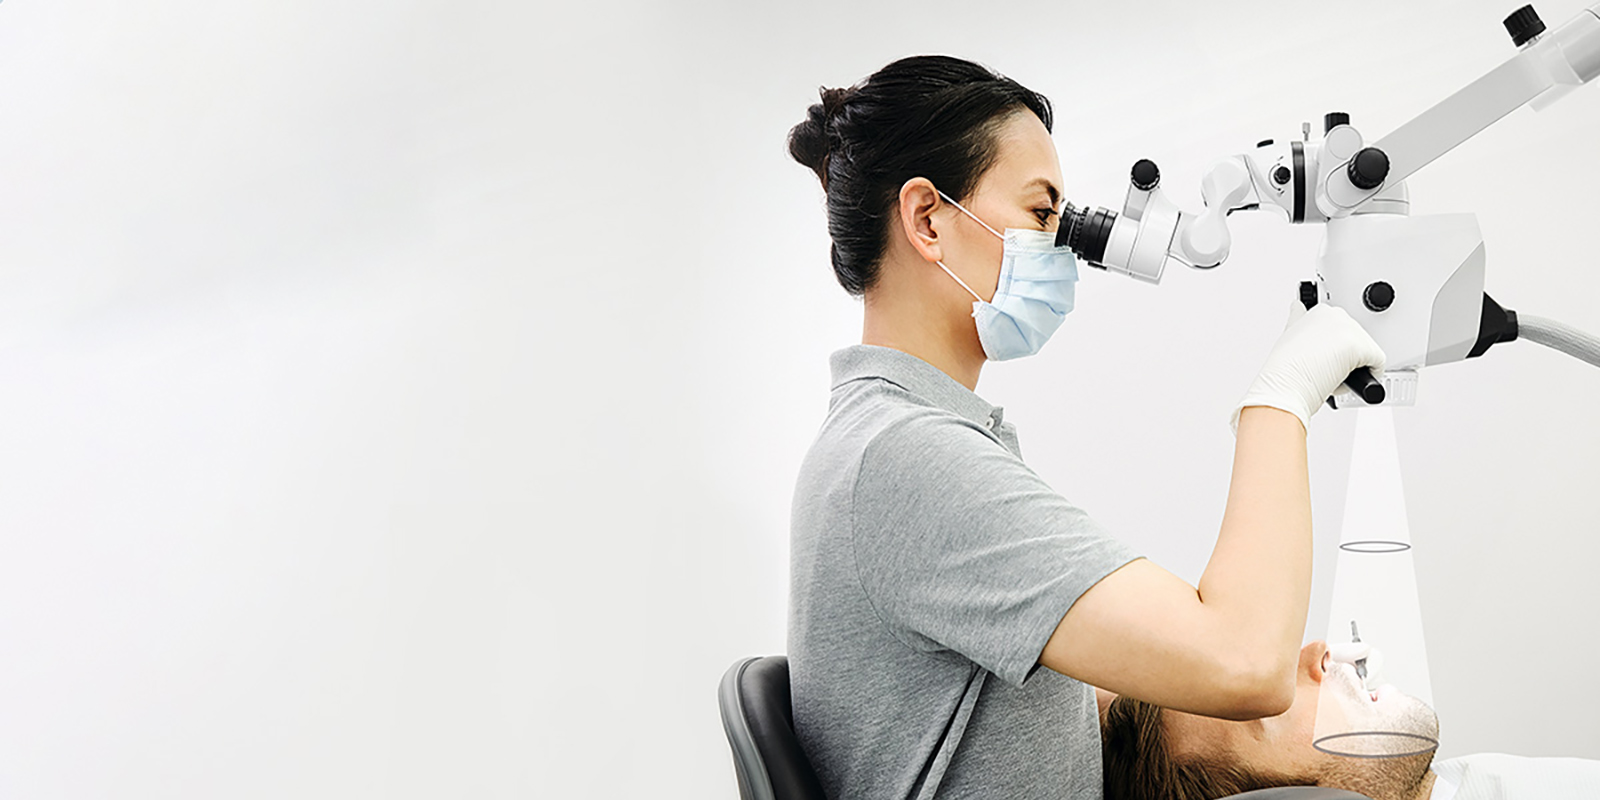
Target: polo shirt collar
915 376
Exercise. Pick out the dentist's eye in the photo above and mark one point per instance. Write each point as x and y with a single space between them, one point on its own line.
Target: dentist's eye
1045 214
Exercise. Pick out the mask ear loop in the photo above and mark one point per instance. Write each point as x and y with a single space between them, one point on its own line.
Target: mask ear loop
970 214
985 225
958 280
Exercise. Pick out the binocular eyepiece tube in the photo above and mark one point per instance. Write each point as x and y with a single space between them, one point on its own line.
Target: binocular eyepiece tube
1086 231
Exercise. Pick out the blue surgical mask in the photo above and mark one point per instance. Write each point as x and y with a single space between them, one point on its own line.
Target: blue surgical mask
1033 295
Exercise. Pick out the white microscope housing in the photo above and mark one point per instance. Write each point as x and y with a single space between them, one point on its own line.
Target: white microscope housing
1414 283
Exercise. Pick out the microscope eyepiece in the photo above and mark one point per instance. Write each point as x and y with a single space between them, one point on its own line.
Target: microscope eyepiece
1086 231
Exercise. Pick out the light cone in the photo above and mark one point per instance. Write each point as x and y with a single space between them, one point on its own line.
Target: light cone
1375 602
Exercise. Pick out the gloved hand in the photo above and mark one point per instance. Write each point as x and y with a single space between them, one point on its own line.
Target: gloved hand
1347 652
1311 359
1367 659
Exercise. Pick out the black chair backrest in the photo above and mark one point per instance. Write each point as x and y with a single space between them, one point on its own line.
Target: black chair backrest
754 698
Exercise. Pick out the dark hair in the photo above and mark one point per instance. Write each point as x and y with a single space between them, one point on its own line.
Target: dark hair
924 116
1139 764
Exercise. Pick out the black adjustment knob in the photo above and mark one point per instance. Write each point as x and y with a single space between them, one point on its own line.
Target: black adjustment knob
1365 386
1264 143
1369 168
1378 296
1146 175
1334 119
1281 175
1523 25
1308 294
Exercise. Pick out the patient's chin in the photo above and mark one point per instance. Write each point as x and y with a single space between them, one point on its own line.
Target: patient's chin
1407 714
1398 778
1408 721
1394 726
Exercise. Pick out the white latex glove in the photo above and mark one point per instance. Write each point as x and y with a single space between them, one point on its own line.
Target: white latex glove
1348 652
1311 360
1371 659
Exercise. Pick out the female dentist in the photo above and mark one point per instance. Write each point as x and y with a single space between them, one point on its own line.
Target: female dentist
932 572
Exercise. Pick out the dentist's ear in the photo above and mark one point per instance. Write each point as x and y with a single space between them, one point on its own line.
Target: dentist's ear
918 200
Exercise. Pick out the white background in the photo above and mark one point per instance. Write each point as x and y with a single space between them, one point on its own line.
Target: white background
404 400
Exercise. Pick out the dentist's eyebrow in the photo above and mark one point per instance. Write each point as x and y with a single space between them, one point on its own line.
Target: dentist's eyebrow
1055 194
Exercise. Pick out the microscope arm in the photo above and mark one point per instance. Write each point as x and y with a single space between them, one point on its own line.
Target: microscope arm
1545 68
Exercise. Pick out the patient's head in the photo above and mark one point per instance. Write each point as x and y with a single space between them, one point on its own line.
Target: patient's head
1152 752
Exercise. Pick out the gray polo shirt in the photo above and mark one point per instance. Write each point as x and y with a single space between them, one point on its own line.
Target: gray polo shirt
928 568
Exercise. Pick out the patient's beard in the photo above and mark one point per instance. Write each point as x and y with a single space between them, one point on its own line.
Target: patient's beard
1400 778
1394 778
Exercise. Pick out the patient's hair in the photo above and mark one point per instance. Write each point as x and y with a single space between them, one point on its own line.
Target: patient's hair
1139 765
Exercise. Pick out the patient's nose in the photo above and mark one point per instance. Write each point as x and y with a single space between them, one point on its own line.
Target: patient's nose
1314 660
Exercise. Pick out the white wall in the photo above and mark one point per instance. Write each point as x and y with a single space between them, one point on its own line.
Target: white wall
403 400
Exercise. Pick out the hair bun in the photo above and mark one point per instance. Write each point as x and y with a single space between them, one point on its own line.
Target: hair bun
833 101
811 141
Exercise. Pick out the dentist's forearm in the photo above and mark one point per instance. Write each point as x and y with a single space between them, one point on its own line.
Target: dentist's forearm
1259 575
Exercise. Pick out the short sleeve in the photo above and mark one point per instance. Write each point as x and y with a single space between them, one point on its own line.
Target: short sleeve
961 547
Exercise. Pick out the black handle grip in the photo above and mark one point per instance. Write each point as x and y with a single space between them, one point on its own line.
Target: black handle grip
1367 387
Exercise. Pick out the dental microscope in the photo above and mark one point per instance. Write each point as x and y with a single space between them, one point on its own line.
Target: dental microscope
1415 283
